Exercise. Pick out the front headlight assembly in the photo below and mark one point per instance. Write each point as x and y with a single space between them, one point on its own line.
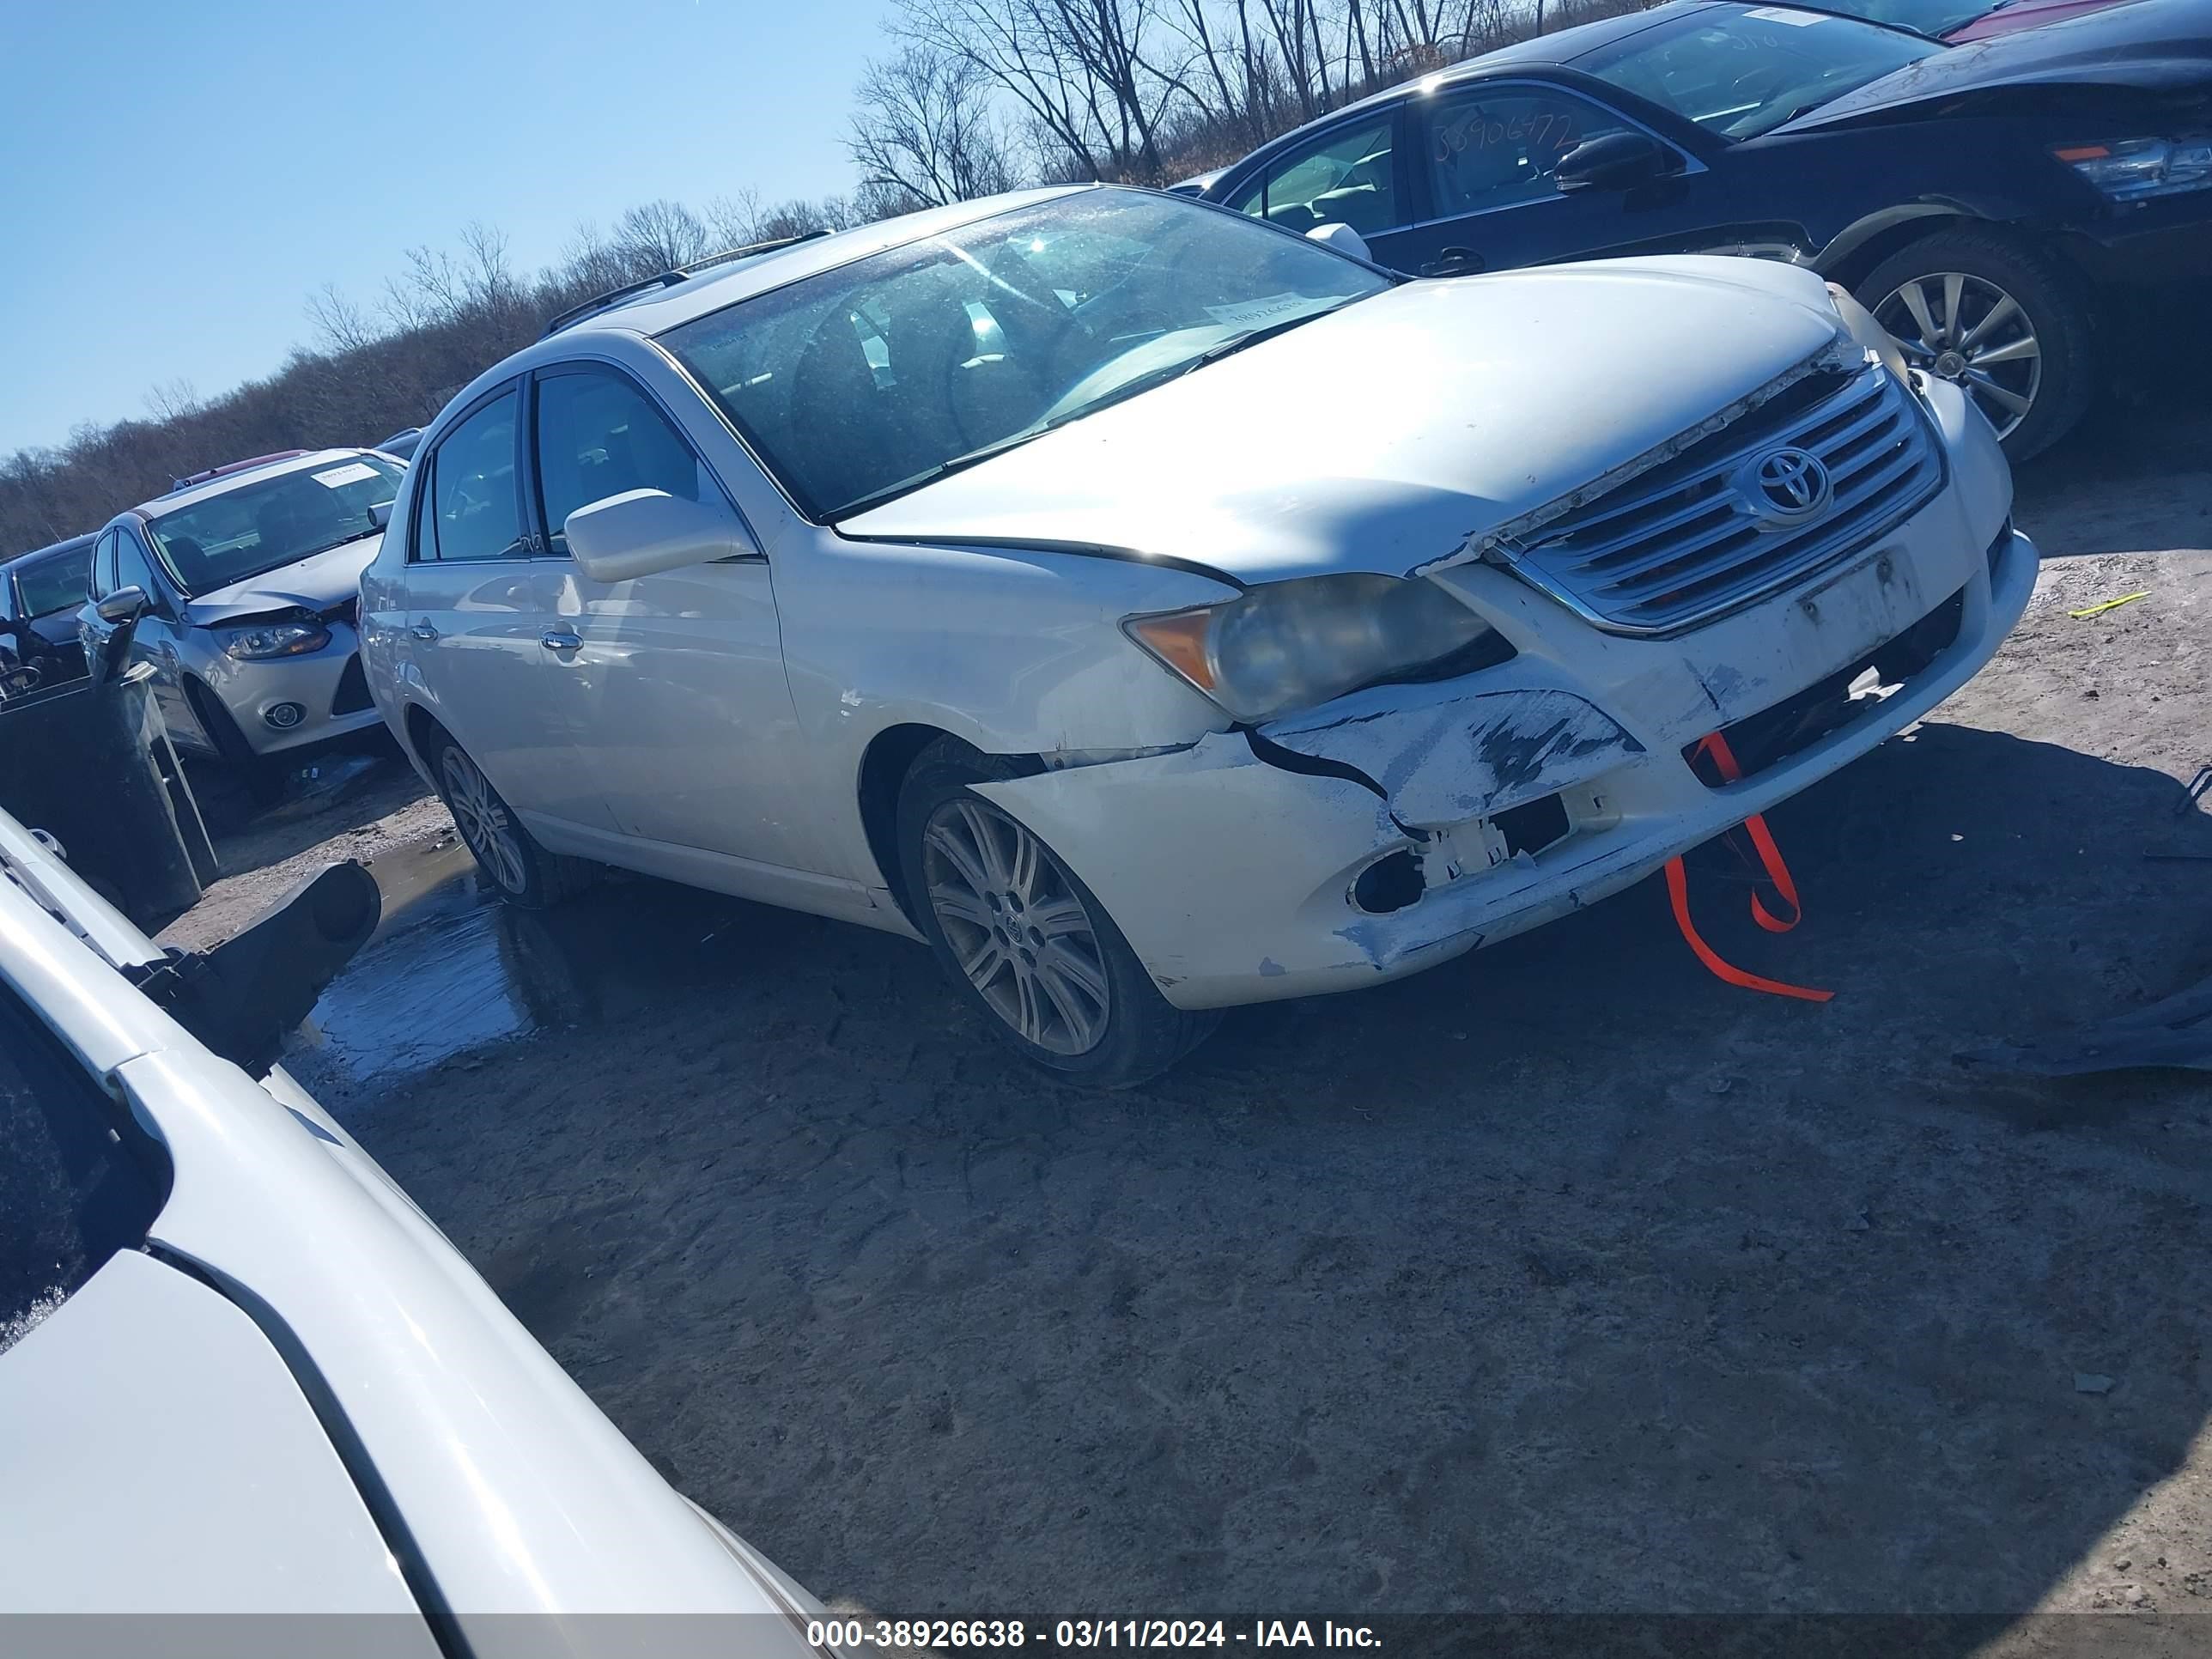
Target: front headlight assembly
1292 644
269 640
2135 169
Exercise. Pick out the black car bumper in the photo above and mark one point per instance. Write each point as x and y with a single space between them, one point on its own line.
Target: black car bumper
2157 244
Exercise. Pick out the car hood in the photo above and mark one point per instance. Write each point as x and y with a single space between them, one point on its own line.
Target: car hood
1391 435
2148 46
2024 15
316 583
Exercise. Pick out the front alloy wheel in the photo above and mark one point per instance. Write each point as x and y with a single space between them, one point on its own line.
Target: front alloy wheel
1024 942
2007 321
1968 331
1015 927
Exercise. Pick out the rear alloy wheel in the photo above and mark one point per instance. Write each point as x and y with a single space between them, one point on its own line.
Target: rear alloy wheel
1026 942
2004 324
525 873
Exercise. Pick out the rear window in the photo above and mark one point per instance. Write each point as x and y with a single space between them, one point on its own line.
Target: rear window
77 1183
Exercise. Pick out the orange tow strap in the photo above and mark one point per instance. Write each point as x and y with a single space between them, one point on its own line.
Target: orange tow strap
1777 873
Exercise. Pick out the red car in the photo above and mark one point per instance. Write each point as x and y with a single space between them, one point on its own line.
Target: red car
1957 21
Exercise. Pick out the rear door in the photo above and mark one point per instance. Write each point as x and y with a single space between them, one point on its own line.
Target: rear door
479 607
673 685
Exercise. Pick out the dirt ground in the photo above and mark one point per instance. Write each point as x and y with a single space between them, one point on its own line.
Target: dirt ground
1564 1278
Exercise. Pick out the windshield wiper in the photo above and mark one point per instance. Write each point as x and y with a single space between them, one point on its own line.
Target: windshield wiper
942 469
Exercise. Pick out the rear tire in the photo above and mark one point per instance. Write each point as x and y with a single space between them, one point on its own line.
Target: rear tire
1023 941
2025 330
517 868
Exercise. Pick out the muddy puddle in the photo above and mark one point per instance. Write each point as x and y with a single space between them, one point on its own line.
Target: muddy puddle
451 969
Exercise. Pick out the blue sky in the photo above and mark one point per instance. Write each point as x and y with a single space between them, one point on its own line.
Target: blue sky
175 180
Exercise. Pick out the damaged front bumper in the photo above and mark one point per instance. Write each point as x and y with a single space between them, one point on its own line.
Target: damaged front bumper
1394 829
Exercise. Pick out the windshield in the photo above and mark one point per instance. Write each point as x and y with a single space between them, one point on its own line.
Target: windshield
874 378
1738 73
274 521
1932 18
56 584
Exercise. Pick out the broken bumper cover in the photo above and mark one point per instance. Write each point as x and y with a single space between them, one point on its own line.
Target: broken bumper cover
1234 867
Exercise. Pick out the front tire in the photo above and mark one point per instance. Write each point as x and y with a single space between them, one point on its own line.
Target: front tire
518 870
1023 940
2007 323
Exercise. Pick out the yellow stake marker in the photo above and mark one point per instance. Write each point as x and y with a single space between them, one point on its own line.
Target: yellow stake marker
2099 610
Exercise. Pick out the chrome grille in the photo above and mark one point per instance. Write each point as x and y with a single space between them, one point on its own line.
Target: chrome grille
1684 542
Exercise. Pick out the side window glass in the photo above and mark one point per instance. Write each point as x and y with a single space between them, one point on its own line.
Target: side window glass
1497 149
103 567
1253 202
599 436
1347 181
475 512
132 568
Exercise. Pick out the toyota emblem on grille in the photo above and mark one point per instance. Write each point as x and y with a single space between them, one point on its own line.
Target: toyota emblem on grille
1787 486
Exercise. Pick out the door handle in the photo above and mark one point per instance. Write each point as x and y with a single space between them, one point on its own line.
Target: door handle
424 631
561 639
1453 262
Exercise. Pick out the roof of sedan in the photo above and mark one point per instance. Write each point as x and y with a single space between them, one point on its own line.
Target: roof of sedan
723 285
230 481
52 551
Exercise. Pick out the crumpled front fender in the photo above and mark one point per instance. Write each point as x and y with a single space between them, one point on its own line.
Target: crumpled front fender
1445 753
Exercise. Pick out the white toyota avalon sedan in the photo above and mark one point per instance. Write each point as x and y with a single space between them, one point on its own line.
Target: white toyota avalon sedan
241 1374
1155 611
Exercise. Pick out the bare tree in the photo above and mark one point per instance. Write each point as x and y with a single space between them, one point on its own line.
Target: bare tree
661 235
339 324
173 400
924 133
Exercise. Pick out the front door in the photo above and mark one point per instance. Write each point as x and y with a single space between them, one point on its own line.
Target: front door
673 684
1485 195
478 610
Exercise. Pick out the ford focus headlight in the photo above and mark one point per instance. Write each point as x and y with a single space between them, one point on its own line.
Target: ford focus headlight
2135 169
1869 333
291 639
1292 644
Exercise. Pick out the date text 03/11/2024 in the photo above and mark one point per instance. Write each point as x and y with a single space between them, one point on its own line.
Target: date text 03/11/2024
897 1635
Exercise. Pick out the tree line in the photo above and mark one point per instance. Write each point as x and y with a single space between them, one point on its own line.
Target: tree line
971 97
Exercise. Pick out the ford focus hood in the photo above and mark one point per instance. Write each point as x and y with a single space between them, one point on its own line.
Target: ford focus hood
315 583
1392 433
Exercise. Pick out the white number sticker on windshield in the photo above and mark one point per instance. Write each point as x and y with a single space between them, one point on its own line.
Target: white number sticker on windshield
338 476
1796 20
1252 313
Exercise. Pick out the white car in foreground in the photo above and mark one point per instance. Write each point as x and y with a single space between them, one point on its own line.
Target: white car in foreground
240 1373
1155 611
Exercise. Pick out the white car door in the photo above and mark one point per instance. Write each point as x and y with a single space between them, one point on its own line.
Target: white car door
479 608
673 684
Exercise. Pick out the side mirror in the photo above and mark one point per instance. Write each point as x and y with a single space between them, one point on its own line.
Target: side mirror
1343 238
1619 161
124 605
379 514
642 532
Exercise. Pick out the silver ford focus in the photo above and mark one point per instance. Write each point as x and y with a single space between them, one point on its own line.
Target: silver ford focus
243 592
